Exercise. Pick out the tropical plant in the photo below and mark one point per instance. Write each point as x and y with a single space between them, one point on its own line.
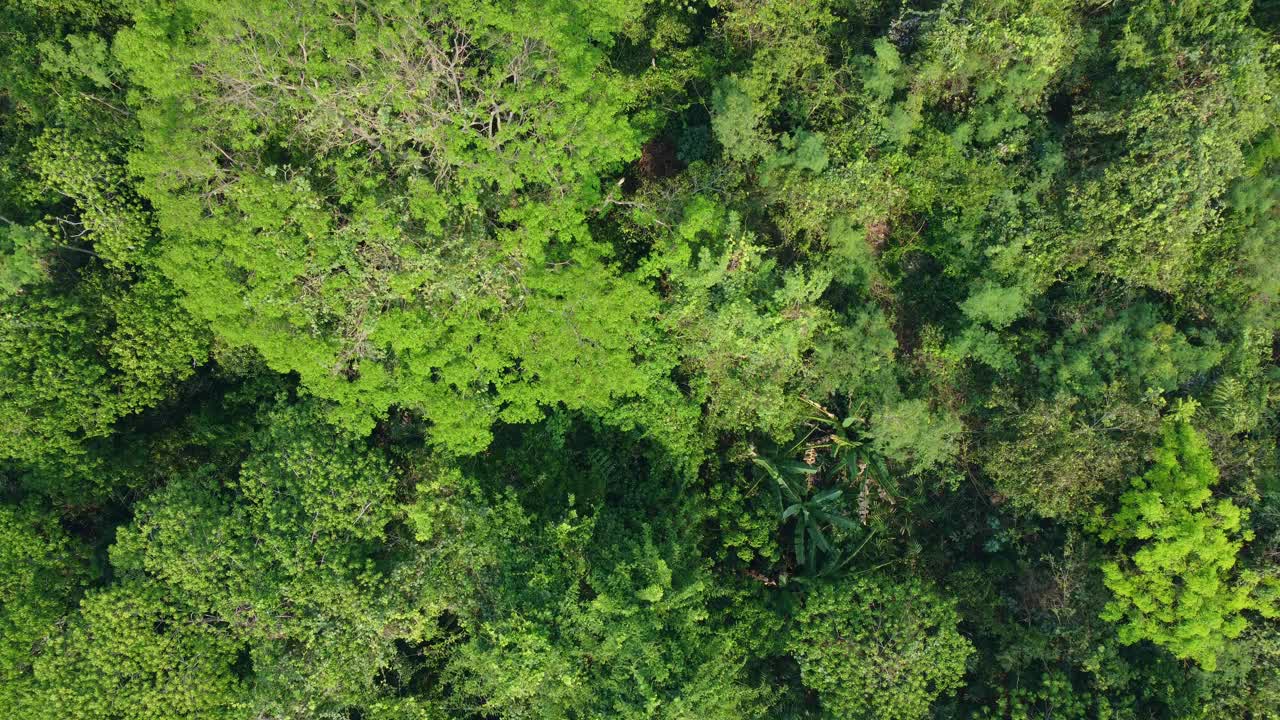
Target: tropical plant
807 492
850 454
878 648
1175 585
816 513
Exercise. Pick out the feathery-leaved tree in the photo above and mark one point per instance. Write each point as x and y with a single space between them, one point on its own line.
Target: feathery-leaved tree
1177 588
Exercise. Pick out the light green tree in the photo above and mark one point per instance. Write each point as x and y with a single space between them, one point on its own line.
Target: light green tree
1176 587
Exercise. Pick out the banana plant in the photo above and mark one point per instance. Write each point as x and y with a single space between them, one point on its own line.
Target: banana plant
851 452
815 513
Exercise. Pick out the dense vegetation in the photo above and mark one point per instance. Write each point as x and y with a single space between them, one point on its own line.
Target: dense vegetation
685 359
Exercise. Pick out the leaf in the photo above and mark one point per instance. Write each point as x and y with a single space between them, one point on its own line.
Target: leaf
882 476
767 467
799 549
828 496
791 492
798 467
843 522
820 537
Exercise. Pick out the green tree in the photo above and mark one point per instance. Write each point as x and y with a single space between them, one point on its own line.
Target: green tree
42 572
81 358
879 648
1177 588
136 652
277 556
399 195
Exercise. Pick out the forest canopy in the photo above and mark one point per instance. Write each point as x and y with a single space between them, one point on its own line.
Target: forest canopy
671 359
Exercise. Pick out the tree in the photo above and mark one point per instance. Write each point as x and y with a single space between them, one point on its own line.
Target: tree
1176 587
137 652
277 557
879 648
652 359
42 573
399 196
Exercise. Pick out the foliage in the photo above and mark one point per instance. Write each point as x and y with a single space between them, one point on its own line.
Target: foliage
41 574
1177 589
78 362
133 652
879 648
435 158
812 510
1054 696
426 359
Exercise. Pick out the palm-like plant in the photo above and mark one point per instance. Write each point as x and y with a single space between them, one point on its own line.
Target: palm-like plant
815 513
851 455
832 449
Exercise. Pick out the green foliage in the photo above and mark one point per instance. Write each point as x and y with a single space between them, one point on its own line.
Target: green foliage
348 209
134 652
730 303
78 363
41 573
879 648
1054 696
813 511
1246 679
1177 589
1178 140
563 359
801 151
279 557
746 527
606 613
22 258
1059 462
108 211
915 434
736 121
